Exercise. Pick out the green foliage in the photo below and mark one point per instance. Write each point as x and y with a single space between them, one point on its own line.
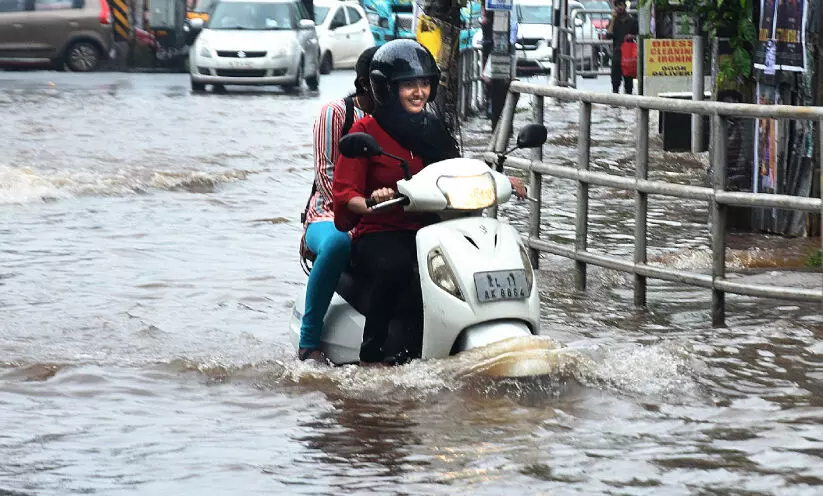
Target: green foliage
732 18
815 259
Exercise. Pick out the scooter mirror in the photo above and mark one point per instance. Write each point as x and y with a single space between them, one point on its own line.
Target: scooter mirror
532 136
356 145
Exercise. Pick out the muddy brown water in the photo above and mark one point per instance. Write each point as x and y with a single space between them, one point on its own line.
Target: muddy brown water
148 261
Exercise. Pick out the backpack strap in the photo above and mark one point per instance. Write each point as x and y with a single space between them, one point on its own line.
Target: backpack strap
349 101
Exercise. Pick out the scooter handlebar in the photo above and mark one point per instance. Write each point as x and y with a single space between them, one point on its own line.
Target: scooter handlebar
377 207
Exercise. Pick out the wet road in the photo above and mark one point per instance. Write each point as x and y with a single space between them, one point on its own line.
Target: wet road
148 264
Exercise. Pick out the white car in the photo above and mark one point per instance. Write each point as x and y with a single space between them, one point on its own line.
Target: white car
344 32
256 42
535 30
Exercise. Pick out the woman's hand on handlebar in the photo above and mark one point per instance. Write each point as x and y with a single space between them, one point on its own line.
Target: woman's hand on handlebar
518 187
362 206
382 194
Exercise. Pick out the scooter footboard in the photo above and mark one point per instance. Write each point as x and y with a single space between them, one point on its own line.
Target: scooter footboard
486 333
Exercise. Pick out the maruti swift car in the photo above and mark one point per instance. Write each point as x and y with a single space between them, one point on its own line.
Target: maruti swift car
256 42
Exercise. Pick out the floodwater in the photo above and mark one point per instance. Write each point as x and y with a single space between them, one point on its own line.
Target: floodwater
148 261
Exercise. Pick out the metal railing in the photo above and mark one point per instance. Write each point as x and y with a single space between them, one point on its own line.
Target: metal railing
581 51
718 198
471 96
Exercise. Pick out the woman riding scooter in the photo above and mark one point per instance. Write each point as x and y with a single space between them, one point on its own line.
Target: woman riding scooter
404 77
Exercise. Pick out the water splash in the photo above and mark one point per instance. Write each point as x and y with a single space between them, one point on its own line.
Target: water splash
659 370
26 185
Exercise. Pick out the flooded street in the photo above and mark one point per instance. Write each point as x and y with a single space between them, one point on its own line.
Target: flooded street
149 261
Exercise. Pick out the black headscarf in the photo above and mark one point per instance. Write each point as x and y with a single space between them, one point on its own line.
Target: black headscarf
423 133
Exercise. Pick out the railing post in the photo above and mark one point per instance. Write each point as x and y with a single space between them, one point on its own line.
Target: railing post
502 133
461 86
641 203
505 122
719 123
582 215
536 184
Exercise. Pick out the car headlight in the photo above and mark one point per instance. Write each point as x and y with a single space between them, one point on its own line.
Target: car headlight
374 18
442 274
204 51
527 266
279 53
468 192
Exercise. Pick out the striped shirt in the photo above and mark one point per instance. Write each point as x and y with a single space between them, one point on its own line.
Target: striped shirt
328 128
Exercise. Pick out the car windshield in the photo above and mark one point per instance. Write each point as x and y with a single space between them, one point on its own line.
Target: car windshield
320 14
534 14
252 16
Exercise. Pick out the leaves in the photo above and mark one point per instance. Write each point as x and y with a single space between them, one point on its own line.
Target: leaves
713 14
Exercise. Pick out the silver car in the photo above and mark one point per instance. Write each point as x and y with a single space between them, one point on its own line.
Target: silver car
256 42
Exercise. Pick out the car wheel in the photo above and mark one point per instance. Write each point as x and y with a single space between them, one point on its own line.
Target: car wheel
326 64
197 87
313 81
295 86
82 56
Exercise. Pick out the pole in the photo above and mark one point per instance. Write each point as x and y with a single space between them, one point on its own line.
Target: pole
697 85
536 183
501 61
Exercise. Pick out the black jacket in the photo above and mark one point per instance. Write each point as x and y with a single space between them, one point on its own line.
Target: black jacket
623 25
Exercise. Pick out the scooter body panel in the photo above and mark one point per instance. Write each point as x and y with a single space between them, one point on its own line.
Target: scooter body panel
342 329
470 245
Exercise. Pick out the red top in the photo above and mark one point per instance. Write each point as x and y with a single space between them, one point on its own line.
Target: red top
355 177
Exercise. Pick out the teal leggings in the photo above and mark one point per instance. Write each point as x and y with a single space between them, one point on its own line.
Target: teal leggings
332 248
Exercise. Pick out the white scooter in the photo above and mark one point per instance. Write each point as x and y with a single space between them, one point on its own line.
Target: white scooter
475 274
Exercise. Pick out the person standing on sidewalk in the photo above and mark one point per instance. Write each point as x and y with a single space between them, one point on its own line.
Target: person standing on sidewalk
622 24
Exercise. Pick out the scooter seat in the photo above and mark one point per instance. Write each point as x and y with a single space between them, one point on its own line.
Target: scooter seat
353 288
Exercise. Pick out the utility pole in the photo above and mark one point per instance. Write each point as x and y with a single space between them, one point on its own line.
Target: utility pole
500 59
698 82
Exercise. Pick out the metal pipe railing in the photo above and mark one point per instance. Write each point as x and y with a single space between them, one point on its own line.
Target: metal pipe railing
715 194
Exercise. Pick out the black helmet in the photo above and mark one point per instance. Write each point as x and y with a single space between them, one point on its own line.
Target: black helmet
399 60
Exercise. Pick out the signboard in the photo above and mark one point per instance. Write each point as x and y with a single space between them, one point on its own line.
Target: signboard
499 5
667 58
765 144
782 36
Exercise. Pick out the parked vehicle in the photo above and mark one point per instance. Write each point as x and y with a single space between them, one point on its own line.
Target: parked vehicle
256 42
600 23
535 33
390 19
343 31
71 34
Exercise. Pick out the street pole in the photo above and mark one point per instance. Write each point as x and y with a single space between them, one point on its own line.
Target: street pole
697 85
501 55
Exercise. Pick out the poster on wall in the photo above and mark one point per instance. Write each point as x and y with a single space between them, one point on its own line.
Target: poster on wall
765 144
781 36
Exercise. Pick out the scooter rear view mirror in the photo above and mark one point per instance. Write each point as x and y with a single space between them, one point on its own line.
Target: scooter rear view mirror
532 136
356 145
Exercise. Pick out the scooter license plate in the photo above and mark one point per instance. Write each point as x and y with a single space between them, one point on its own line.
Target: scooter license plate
498 285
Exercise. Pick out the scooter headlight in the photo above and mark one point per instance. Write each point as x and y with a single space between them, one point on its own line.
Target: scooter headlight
527 266
468 192
442 274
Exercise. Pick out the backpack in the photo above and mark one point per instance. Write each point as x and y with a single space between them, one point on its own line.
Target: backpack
305 253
